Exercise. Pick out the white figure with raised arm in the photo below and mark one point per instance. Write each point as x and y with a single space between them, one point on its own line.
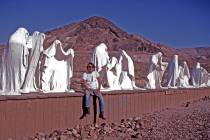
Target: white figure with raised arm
127 76
156 70
58 68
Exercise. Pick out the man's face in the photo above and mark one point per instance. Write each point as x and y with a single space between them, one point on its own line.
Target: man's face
90 68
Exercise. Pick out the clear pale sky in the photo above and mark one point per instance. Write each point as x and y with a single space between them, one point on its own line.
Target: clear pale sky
177 23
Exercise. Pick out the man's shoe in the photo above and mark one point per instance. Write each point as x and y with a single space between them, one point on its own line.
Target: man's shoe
101 115
86 111
83 115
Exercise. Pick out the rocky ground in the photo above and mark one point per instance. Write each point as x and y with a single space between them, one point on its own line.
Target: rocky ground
189 121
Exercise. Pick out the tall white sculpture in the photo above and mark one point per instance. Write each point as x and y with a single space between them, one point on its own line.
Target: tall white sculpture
15 63
156 70
184 75
208 83
205 77
100 59
32 78
173 73
127 77
2 75
100 56
199 76
113 74
58 68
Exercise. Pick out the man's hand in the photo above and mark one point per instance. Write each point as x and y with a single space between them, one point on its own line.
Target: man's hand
90 91
98 91
85 85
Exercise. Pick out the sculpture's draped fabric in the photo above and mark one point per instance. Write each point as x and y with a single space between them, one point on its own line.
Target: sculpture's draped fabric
100 59
184 75
15 62
199 76
113 74
127 76
32 79
208 83
100 56
57 69
127 63
173 73
156 71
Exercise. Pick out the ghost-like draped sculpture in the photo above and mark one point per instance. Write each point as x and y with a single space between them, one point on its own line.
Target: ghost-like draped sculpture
15 63
184 76
100 58
156 70
116 74
113 74
173 72
208 83
57 69
32 78
200 76
127 76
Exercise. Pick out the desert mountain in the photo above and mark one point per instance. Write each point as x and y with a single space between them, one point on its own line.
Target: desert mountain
85 35
199 51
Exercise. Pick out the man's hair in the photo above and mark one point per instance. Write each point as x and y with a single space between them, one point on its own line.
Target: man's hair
90 63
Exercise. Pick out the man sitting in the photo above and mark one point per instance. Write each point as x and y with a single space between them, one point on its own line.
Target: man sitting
91 85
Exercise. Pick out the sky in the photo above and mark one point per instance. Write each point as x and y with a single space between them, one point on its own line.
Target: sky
177 23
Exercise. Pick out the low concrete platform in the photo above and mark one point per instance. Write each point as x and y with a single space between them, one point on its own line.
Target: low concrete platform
25 115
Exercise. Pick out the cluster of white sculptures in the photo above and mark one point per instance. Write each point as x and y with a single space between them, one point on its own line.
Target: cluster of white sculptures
118 74
178 74
23 70
26 67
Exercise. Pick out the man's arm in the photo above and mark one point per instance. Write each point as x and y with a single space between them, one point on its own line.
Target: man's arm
85 84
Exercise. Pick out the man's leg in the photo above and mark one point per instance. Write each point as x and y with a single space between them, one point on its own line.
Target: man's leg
86 99
101 105
86 104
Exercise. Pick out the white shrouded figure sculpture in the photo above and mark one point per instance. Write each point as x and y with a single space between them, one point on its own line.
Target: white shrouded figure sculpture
127 77
100 56
208 83
173 73
184 75
15 63
113 74
118 74
57 69
32 78
156 71
199 76
100 59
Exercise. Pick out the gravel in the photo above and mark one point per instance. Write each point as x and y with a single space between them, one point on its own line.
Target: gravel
185 122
